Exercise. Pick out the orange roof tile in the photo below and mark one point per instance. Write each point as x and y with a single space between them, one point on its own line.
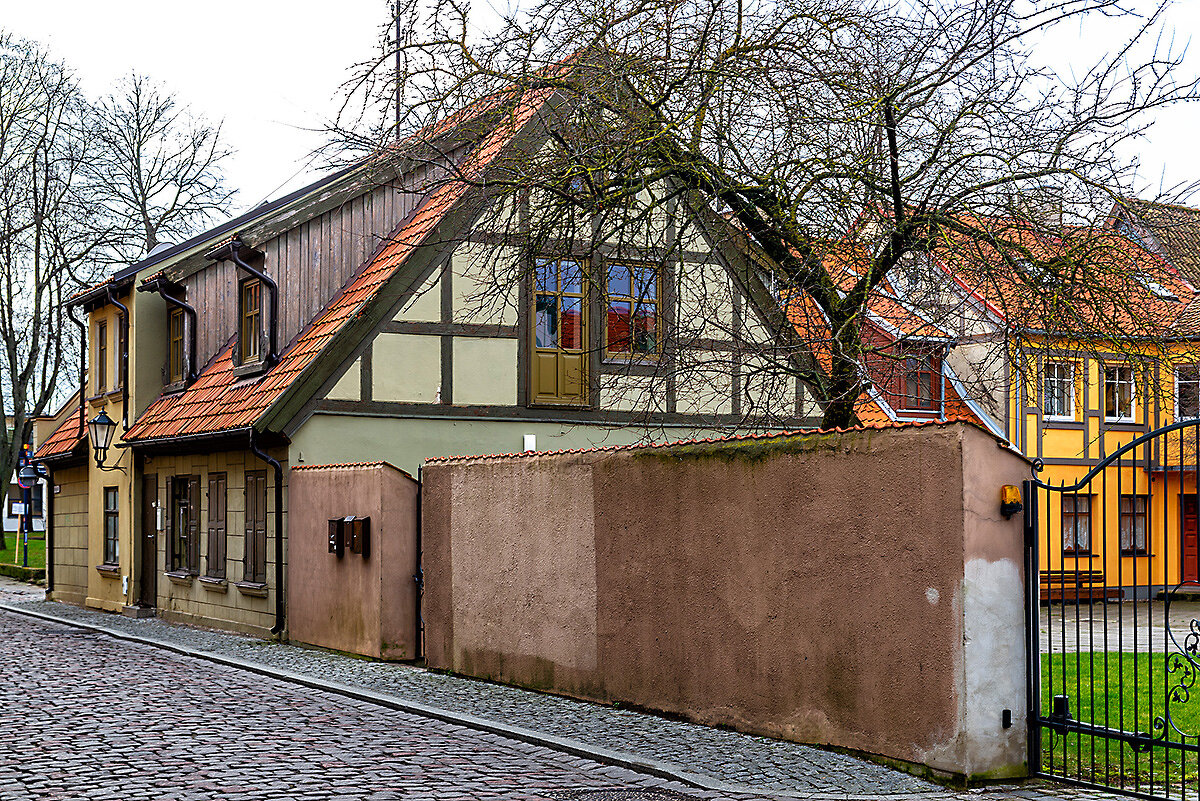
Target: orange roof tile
63 440
219 401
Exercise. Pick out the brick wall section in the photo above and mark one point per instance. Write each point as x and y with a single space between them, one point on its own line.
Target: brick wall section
70 534
811 588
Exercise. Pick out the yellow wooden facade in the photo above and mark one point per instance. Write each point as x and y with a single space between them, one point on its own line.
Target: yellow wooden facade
1072 424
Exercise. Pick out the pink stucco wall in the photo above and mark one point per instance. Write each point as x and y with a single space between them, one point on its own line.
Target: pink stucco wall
361 605
812 588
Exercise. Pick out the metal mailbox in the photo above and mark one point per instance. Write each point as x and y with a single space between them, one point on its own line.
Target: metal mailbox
350 533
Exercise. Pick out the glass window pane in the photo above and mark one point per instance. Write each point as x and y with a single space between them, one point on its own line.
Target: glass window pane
646 284
618 280
544 275
571 275
645 329
546 321
618 326
572 322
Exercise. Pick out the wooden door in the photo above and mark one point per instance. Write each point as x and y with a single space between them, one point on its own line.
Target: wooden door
148 566
1190 558
559 333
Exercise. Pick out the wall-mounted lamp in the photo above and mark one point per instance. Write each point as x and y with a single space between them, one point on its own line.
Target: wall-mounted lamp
100 431
1010 500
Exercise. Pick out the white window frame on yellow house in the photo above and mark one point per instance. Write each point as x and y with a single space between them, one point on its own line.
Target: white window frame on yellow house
1132 384
1195 382
1070 380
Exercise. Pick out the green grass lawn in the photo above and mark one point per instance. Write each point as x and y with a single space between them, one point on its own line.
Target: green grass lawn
1103 690
12 551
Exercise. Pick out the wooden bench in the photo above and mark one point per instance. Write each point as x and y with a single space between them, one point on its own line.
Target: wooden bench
1077 586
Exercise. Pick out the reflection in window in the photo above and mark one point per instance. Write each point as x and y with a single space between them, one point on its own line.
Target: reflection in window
632 317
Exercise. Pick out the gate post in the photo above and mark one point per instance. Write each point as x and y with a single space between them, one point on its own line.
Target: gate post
1033 672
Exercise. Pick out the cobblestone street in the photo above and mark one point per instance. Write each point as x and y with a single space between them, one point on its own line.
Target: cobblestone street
91 716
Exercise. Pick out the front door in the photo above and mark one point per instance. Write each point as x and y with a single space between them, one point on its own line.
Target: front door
1191 546
148 570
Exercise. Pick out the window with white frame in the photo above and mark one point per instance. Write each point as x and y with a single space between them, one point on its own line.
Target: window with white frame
1058 390
1187 391
1118 392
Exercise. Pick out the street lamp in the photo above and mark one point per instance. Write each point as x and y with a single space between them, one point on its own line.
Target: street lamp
100 430
27 478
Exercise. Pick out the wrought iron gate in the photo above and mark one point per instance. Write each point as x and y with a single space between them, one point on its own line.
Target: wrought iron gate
1113 596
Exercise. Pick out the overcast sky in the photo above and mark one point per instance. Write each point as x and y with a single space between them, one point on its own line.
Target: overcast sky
270 69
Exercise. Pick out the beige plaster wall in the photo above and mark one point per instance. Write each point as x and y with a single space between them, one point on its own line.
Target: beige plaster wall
71 564
823 589
362 605
223 605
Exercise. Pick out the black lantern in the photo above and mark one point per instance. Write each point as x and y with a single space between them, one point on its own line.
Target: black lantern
101 429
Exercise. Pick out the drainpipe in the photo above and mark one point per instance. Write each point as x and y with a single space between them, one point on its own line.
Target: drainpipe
48 527
272 289
190 313
82 367
280 614
112 298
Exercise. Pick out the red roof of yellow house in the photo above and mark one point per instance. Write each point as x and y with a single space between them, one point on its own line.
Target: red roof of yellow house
220 401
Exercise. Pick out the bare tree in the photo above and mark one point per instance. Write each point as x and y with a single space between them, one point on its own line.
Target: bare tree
50 229
804 130
158 167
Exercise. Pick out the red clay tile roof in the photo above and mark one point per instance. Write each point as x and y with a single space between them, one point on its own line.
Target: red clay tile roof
890 424
65 439
218 401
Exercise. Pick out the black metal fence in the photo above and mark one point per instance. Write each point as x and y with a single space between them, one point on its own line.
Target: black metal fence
1113 569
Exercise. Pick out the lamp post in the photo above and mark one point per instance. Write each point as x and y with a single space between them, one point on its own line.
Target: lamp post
100 431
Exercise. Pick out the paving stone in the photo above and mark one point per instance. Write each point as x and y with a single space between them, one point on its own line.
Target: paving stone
114 711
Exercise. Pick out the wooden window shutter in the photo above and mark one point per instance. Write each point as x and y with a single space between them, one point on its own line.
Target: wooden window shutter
171 545
256 527
193 543
215 565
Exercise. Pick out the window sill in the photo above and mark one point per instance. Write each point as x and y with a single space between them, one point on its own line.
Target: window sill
97 400
173 387
1136 555
113 394
250 368
109 570
213 584
254 589
180 577
1078 555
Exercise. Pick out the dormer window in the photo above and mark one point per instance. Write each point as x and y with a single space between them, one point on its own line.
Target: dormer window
250 313
175 350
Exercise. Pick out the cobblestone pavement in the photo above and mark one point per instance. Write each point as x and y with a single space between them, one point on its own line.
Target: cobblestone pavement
131 721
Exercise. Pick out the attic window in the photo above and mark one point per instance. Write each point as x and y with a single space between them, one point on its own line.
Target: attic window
250 314
1157 289
175 349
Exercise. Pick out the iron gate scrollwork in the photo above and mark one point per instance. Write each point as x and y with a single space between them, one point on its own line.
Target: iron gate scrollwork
1113 601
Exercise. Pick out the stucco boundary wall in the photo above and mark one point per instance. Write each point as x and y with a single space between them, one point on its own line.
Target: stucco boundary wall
855 589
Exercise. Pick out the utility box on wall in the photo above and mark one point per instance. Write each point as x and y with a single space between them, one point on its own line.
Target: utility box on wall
352 557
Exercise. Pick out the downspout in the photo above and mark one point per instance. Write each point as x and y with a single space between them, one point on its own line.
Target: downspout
273 290
82 368
280 613
112 298
190 313
48 528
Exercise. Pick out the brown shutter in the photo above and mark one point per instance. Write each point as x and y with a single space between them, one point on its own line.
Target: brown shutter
255 563
193 533
216 525
171 546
